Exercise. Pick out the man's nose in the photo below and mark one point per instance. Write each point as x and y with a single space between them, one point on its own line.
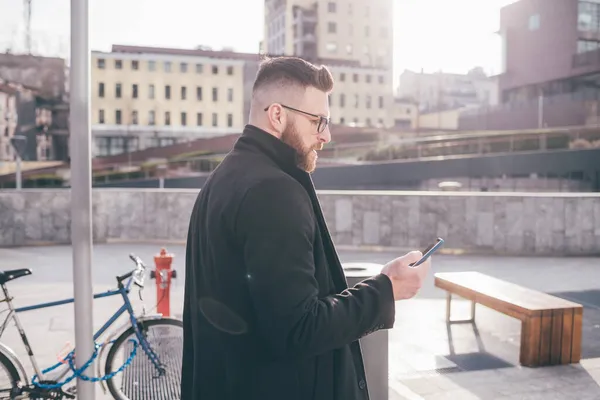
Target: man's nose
325 136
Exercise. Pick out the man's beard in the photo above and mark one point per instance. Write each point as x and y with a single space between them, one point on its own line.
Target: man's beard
306 158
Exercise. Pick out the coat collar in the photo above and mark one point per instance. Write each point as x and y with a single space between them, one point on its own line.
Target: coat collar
276 150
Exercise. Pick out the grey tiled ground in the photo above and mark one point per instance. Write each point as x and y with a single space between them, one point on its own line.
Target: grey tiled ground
427 360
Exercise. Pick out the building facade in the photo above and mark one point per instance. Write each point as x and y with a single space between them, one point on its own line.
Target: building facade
445 91
551 67
358 30
148 97
8 120
361 96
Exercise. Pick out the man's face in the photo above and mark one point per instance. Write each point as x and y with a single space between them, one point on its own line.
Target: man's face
301 131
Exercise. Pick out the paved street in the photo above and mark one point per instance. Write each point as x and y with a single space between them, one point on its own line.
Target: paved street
427 360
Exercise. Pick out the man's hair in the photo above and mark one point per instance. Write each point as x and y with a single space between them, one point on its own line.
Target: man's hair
284 72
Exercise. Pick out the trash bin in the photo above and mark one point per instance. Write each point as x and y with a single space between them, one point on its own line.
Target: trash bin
375 345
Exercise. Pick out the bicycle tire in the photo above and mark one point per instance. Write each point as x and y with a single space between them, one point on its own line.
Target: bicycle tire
142 325
13 372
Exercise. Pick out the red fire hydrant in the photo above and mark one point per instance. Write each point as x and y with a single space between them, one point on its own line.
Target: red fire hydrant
163 275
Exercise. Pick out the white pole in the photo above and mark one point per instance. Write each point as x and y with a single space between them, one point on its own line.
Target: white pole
81 190
18 172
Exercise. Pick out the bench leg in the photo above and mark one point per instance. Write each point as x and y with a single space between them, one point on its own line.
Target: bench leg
449 307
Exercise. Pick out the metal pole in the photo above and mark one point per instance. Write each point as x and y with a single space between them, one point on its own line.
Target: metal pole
18 173
541 111
81 190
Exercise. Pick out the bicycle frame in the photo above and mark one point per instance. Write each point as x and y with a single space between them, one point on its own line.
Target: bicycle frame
122 290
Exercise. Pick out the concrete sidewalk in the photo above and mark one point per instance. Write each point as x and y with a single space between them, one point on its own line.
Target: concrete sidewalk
427 360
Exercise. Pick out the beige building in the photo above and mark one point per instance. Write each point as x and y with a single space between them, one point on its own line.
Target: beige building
147 97
358 30
361 96
8 120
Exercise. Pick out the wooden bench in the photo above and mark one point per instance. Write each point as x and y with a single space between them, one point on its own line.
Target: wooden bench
551 327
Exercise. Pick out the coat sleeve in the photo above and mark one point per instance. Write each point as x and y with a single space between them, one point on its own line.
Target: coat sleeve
276 226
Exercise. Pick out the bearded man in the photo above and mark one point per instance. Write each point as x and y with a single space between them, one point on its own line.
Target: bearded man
267 313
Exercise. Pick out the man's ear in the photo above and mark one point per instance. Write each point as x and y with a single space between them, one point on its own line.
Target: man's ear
277 118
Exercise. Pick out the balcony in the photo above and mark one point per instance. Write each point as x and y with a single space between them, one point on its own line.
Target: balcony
306 38
588 59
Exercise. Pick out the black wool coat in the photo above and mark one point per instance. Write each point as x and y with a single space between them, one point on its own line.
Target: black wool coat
267 311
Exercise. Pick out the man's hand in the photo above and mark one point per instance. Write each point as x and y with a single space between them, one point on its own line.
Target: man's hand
406 281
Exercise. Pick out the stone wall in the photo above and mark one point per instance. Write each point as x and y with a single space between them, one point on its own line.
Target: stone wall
503 223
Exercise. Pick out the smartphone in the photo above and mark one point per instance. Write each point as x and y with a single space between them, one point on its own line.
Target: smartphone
428 252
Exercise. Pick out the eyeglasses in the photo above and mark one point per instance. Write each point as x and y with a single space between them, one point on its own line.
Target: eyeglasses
323 121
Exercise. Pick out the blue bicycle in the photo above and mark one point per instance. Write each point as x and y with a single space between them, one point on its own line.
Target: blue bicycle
143 359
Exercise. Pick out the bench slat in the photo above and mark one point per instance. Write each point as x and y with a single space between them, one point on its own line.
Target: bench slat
503 296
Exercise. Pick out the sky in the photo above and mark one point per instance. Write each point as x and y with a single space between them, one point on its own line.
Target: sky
447 35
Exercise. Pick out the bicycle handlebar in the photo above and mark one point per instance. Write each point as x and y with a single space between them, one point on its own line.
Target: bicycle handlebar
137 274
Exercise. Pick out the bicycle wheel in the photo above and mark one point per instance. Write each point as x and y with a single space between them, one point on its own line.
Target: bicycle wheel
141 379
9 377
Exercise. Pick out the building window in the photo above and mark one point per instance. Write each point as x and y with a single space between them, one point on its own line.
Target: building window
215 94
342 77
534 22
331 47
331 7
355 101
118 117
183 67
199 68
368 102
214 119
151 65
229 70
101 63
215 69
589 16
101 89
342 100
134 91
134 117
100 116
368 78
151 92
199 93
230 95
381 102
167 66
183 119
135 65
229 120
583 46
199 119
381 80
118 90
368 122
331 27
118 64
183 93
355 78
342 120
167 92
167 118
151 117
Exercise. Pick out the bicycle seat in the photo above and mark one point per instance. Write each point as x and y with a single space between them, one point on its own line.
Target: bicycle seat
9 275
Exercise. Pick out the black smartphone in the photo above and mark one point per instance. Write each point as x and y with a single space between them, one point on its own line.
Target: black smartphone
428 252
